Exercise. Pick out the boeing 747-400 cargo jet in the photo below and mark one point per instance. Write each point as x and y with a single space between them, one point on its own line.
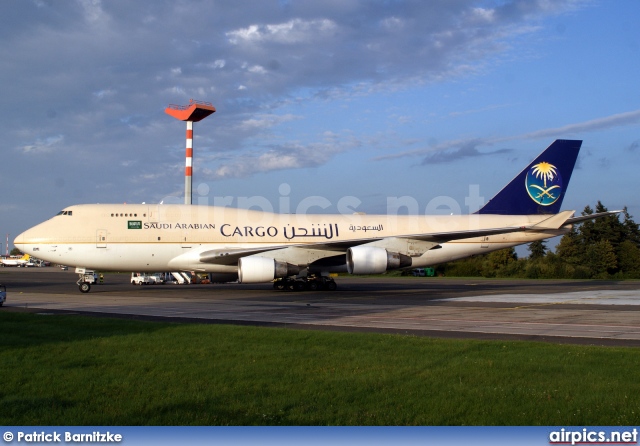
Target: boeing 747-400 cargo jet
300 251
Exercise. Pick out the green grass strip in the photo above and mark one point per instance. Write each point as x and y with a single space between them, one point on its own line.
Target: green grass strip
74 370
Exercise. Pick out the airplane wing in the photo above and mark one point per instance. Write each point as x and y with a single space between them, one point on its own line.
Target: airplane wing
231 256
420 242
416 243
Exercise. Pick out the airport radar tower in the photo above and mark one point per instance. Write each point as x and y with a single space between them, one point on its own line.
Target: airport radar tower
194 112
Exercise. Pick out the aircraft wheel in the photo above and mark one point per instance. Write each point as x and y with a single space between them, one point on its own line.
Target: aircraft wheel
84 287
331 285
298 285
312 285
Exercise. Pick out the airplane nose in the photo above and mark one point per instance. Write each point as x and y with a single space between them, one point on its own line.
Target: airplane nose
20 240
33 237
25 238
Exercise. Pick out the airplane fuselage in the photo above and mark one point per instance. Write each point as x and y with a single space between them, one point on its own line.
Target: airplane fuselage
151 238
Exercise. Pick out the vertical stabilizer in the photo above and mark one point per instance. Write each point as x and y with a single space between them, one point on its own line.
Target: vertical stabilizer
540 187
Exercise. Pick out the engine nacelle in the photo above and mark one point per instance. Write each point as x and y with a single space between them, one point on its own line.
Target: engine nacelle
373 260
263 269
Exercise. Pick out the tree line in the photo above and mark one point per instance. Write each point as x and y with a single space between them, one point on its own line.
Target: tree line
605 248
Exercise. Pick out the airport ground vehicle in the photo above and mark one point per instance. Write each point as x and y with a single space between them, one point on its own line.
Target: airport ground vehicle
156 279
423 272
140 279
3 294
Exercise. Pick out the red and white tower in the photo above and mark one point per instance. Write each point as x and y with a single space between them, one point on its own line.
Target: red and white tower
194 112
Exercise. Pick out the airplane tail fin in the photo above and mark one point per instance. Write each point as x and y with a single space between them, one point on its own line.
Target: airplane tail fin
540 187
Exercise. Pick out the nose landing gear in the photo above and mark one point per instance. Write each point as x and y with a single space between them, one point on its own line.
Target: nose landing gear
85 279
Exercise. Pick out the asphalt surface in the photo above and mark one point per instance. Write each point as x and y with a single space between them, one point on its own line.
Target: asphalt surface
565 311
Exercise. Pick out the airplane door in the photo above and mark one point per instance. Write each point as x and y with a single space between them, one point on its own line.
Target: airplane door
485 242
101 238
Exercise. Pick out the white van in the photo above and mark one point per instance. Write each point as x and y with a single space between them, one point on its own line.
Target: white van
140 279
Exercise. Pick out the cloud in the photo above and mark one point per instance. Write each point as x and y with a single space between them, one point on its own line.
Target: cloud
101 94
633 146
42 146
144 52
93 11
291 32
95 76
617 120
466 148
262 122
604 162
479 110
286 156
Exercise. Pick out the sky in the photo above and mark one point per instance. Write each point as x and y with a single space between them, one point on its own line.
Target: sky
332 106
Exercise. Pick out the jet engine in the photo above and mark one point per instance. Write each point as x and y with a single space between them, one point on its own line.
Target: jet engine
263 269
373 260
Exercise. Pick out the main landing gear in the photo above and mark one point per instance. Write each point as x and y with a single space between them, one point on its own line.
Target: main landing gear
309 283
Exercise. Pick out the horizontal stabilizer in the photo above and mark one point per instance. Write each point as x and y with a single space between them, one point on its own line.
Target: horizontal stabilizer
555 221
576 220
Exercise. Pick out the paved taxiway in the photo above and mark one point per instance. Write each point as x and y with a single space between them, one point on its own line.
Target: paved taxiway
603 313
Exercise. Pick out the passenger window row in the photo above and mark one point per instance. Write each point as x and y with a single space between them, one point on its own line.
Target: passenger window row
126 215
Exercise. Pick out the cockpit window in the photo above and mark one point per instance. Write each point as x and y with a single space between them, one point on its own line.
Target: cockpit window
65 213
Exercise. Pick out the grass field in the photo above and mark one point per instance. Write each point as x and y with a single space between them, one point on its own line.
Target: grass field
74 370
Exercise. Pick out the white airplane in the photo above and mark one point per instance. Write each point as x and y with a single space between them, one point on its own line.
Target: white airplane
300 251
16 261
